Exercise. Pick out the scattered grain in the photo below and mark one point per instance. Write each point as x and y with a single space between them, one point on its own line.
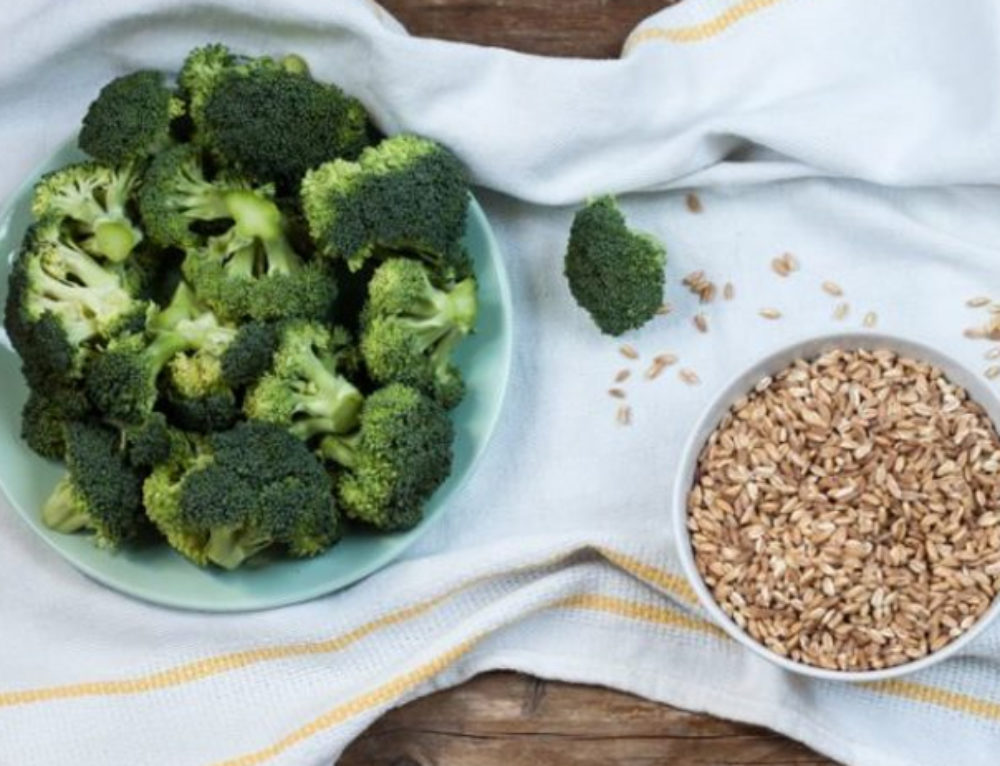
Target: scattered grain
844 512
701 322
841 311
978 302
689 376
770 313
992 371
622 376
832 288
993 353
693 202
870 319
729 292
624 415
664 309
780 267
791 262
617 393
628 351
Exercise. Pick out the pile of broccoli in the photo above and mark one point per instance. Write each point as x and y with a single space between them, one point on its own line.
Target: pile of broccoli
237 320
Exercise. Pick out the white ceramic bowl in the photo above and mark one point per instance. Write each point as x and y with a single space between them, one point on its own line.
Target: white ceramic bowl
712 416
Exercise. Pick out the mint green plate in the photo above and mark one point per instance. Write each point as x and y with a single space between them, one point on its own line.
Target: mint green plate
157 573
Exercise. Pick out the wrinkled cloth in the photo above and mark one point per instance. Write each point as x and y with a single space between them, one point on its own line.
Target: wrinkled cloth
864 138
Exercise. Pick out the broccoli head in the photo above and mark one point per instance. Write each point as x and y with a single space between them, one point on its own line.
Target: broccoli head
224 498
45 415
411 329
408 193
615 274
175 194
130 119
252 271
200 73
305 391
61 301
122 381
148 443
100 492
393 463
272 124
90 200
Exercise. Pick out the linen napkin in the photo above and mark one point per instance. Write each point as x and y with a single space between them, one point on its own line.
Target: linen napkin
864 138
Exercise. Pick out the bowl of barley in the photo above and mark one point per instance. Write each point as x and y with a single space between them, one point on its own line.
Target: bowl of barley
837 508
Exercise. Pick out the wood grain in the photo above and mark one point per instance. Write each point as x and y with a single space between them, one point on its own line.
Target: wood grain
506 719
583 28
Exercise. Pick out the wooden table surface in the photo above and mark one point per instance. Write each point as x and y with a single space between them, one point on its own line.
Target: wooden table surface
506 719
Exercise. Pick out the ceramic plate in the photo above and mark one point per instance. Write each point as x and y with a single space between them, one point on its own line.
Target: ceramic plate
157 573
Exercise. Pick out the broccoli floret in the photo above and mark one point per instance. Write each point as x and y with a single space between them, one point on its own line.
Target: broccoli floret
407 193
122 381
252 271
263 120
61 301
394 462
45 415
305 391
101 491
199 75
91 199
149 443
411 329
226 497
130 119
196 396
615 274
175 194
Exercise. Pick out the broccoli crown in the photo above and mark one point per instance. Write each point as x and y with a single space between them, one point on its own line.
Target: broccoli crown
90 199
407 193
249 355
45 415
101 491
227 497
199 75
411 329
274 124
148 443
176 194
400 455
130 119
615 274
122 381
60 300
252 271
196 397
305 390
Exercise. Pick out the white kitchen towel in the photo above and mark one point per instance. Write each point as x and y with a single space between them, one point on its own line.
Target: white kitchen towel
864 137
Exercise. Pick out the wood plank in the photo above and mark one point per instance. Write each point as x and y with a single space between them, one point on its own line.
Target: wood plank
514 720
584 28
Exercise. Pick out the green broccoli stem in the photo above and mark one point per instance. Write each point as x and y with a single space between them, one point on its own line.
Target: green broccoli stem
183 305
62 512
229 547
66 261
200 199
115 239
260 219
328 397
342 450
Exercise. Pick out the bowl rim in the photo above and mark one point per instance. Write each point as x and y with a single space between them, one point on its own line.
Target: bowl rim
738 385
